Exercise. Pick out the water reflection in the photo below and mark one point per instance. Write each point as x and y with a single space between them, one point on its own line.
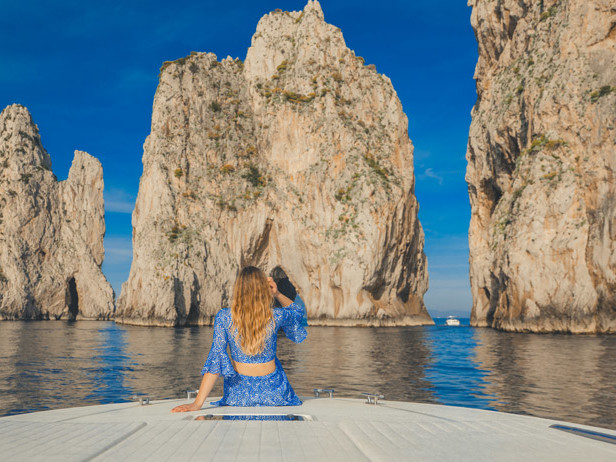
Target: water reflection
168 361
556 376
391 361
110 366
355 360
454 372
47 365
57 364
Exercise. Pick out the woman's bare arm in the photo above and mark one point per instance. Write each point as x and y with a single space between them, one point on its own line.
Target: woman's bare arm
207 383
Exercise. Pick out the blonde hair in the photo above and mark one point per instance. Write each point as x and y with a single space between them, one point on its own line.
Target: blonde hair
251 309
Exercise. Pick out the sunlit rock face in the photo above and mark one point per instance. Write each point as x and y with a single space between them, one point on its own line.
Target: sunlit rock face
299 158
541 161
51 232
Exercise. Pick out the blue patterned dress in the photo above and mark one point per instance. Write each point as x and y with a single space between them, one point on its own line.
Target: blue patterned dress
242 390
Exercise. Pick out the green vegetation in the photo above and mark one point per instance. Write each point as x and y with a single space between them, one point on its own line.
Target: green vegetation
282 66
344 194
297 98
502 224
224 204
518 192
254 176
549 13
227 168
164 66
175 232
215 106
376 167
603 91
550 176
341 100
178 173
542 142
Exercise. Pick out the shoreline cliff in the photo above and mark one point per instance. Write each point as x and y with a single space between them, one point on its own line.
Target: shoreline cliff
51 232
298 158
541 162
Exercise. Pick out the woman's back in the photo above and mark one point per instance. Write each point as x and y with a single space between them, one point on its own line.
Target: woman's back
254 377
289 319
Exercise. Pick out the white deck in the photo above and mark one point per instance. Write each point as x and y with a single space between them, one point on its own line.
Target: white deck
341 429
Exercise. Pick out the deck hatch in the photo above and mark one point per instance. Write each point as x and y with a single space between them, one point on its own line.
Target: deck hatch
283 417
605 437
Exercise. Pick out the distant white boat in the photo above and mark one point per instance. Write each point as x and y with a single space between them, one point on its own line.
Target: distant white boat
452 321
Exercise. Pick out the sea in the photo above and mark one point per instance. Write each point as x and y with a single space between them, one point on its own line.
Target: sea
55 364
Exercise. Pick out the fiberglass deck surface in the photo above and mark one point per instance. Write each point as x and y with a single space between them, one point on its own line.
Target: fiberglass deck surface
335 429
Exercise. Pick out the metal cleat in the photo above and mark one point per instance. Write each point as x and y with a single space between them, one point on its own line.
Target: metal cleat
143 400
373 398
318 391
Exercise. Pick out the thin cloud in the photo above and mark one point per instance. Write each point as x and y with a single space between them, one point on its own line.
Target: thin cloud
119 201
118 258
430 173
118 250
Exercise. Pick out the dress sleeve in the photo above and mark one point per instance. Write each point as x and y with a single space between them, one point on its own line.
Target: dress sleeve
299 302
218 361
291 322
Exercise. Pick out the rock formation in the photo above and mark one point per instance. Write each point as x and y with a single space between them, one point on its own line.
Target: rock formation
51 233
541 164
298 157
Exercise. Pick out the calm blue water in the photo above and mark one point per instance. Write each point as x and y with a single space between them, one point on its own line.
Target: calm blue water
49 365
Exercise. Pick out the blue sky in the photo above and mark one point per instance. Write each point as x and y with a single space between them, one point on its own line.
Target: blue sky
87 71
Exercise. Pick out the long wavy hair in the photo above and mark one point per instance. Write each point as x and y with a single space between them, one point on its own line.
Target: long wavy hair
251 309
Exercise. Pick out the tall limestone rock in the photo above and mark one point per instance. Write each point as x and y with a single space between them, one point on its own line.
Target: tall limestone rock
51 233
541 166
297 158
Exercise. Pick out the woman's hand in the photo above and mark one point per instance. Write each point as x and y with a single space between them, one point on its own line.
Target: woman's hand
273 287
207 383
186 408
283 299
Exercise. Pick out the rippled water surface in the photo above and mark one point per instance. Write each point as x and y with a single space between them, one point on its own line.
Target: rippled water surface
49 365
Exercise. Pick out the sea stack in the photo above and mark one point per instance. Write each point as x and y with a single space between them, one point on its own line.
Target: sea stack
51 232
541 165
298 158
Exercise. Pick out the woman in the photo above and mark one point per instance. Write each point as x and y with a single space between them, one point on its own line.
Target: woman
254 376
